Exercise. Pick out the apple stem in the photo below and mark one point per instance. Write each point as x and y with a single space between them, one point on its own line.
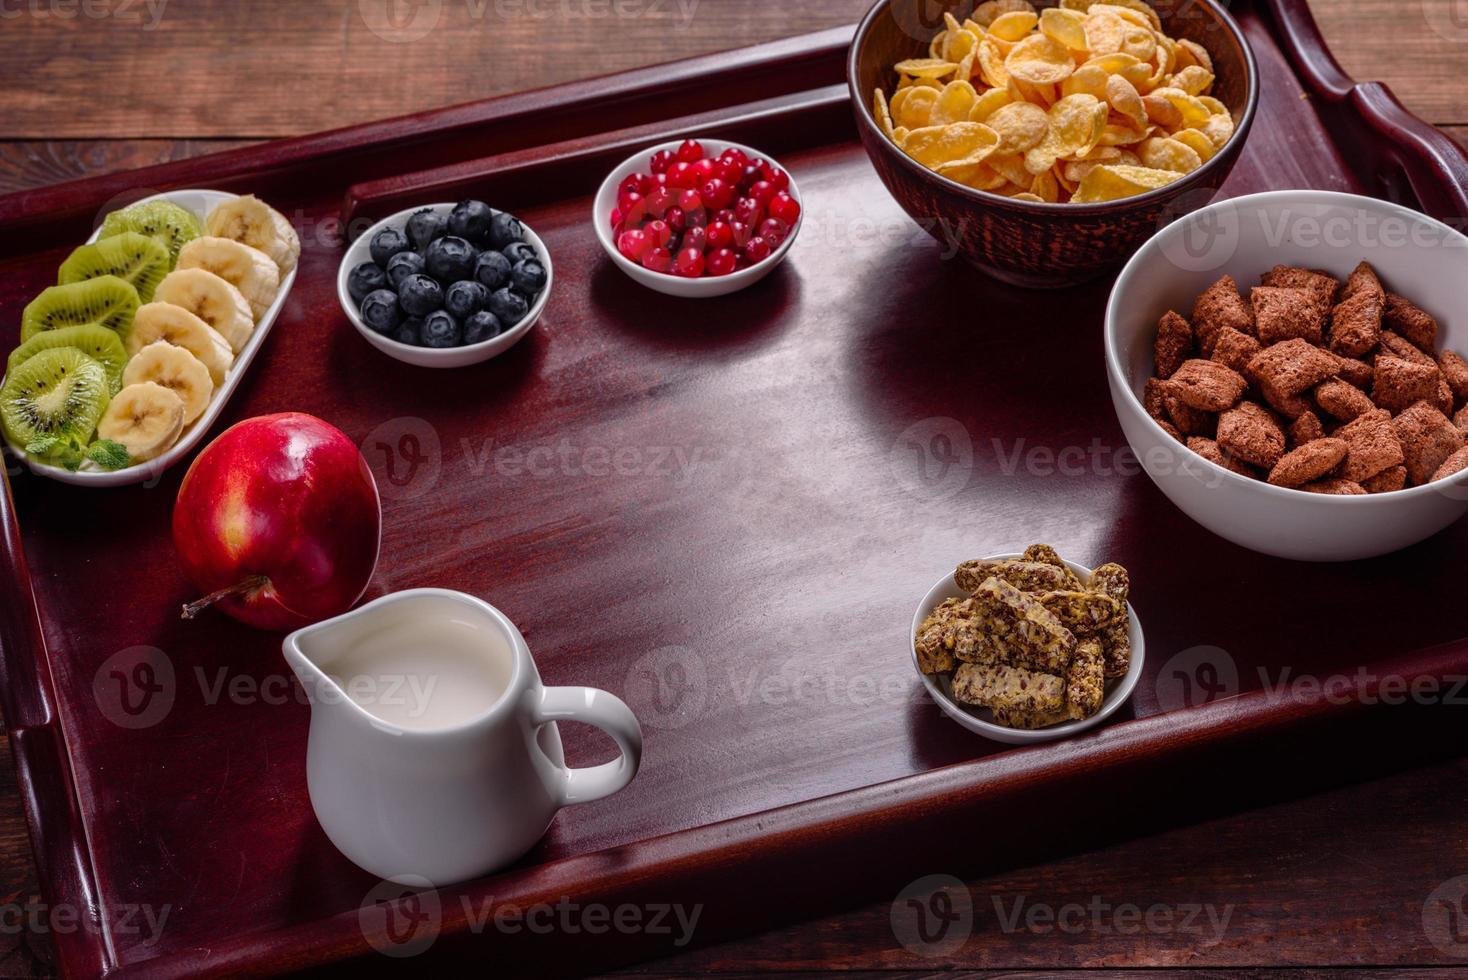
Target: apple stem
192 609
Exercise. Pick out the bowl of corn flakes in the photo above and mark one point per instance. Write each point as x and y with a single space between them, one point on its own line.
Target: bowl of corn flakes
1050 140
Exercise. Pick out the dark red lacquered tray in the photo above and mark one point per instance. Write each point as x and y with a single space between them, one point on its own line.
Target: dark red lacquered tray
754 608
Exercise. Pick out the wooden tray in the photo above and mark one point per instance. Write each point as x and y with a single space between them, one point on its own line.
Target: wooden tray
753 610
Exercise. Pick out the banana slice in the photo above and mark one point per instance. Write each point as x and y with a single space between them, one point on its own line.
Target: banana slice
145 418
177 326
248 269
175 368
252 222
212 300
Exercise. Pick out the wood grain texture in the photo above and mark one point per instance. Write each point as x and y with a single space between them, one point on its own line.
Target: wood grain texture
1280 876
1300 925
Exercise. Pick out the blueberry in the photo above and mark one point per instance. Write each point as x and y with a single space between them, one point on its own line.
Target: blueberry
364 278
471 220
410 332
528 276
504 229
440 329
509 306
425 226
420 295
464 298
483 325
519 252
450 259
492 270
403 265
380 310
387 243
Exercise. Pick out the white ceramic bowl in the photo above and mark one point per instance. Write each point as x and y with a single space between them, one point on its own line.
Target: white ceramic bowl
1245 237
361 251
704 286
980 720
200 202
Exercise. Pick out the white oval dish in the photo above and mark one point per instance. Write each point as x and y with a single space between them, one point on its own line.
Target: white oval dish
703 287
432 357
976 719
1416 256
200 202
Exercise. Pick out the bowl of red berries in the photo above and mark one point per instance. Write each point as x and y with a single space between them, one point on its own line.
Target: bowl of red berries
698 218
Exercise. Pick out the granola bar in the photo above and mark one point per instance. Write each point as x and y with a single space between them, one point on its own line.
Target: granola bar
1081 612
1027 576
1085 681
1038 639
1008 688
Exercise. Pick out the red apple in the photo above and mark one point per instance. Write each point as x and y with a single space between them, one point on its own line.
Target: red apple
279 521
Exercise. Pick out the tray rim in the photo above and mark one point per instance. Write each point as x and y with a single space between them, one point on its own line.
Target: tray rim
1434 165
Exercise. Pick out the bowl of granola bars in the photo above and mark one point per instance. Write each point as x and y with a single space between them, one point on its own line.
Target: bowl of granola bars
1025 648
1285 366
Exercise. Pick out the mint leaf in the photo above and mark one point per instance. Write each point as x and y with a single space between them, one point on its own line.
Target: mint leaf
108 454
42 446
71 458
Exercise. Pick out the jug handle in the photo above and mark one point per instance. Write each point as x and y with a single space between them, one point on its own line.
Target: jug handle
607 712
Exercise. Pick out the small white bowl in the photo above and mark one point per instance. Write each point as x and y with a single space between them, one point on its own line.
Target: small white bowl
451 357
704 286
976 719
1245 237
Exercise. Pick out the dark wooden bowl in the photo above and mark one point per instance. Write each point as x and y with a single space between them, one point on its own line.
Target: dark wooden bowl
1024 242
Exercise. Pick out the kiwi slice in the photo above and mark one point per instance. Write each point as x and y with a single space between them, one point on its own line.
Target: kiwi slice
137 258
106 301
171 226
51 403
98 343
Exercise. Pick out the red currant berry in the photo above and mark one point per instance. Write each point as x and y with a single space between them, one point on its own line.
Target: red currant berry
681 175
691 151
705 170
722 262
647 183
661 160
659 200
762 191
616 217
634 209
690 201
729 172
657 259
676 219
632 244
696 239
658 231
626 195
757 249
689 263
726 215
772 231
774 174
747 210
720 235
785 208
741 233
631 182
717 194
737 155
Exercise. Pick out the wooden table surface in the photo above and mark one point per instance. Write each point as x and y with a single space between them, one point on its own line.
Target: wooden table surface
1341 878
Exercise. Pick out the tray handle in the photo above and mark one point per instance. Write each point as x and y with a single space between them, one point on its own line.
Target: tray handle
1412 161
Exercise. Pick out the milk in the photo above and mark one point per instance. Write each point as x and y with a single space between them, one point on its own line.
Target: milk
423 674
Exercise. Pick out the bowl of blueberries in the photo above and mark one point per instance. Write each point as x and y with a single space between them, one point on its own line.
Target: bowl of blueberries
445 285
